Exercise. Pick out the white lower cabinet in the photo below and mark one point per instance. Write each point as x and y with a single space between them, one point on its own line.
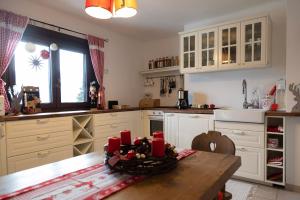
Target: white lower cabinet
252 163
26 161
31 143
2 150
110 124
191 125
180 129
171 128
249 141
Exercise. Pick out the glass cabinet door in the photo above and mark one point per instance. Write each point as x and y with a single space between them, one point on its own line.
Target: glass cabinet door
189 48
253 41
229 48
208 48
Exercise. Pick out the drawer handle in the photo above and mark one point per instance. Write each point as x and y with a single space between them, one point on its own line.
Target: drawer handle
41 138
114 114
170 115
195 117
239 133
43 154
41 121
114 126
242 149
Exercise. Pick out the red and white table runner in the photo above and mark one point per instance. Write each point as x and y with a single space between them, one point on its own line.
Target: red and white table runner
96 182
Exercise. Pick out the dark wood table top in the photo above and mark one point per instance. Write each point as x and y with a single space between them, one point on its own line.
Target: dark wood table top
199 176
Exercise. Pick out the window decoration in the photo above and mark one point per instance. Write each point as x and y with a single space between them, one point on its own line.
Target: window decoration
45 54
30 47
35 62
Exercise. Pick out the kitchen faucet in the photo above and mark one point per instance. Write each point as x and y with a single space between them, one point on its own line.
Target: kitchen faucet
246 105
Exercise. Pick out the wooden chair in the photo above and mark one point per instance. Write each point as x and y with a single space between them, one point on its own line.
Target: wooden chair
215 142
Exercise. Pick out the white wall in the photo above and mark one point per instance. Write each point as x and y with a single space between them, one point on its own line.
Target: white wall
225 88
123 58
156 49
293 75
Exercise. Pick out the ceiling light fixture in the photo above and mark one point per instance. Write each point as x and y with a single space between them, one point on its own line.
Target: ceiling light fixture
106 9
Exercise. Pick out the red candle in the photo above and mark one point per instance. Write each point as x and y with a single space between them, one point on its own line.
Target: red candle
158 147
114 144
158 134
125 137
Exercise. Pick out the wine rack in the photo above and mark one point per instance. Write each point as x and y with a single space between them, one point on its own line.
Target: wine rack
275 151
83 135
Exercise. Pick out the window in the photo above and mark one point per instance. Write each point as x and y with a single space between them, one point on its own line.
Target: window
72 72
28 75
62 78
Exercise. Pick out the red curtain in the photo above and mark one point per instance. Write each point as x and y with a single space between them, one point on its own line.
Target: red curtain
96 46
12 27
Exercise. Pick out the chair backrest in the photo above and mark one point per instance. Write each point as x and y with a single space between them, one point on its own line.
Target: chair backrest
214 142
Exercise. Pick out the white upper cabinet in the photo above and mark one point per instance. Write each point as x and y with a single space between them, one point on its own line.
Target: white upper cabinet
189 49
254 42
208 49
229 47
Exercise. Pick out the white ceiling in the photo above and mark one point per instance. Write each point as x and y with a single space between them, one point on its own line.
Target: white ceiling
158 18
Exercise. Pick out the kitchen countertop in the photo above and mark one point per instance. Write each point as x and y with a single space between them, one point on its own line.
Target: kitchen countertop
95 111
283 113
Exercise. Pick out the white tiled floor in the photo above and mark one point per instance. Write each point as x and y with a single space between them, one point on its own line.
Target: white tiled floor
249 191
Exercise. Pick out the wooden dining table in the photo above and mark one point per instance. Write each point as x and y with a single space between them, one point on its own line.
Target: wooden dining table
198 176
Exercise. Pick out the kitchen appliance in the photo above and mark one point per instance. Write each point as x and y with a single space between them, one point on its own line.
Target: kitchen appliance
183 99
153 121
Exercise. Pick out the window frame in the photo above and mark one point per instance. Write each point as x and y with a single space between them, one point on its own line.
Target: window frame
46 37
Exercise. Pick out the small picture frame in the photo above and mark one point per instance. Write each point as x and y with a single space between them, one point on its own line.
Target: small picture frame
31 100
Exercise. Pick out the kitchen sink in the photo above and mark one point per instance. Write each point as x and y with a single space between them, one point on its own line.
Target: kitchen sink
240 115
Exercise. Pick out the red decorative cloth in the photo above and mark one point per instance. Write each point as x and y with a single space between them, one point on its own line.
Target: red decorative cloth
96 46
12 27
92 183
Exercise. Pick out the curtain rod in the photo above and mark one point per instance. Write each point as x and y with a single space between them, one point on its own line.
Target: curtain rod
59 27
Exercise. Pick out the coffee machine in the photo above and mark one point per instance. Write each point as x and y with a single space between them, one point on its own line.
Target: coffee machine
183 99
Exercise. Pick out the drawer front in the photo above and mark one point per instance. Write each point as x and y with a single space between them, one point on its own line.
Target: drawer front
38 126
111 118
252 163
23 145
106 131
240 126
39 158
245 138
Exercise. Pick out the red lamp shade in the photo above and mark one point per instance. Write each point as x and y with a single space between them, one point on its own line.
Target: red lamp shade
101 9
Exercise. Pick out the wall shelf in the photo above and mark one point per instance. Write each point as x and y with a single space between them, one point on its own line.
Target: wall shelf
82 134
171 71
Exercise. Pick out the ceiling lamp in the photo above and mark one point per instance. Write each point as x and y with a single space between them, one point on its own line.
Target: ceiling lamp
125 8
106 9
101 9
